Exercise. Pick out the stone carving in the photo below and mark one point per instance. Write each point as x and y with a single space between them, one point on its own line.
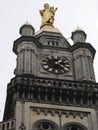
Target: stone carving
47 15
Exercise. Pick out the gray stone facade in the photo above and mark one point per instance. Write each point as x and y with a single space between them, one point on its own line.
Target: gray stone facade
41 99
32 49
60 115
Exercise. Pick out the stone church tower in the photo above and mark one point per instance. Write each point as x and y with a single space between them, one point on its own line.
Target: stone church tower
54 87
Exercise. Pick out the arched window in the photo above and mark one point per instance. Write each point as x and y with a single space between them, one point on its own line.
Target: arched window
45 125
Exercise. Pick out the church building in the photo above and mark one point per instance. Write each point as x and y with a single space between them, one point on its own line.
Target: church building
54 86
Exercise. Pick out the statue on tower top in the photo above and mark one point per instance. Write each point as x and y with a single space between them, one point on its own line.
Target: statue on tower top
47 15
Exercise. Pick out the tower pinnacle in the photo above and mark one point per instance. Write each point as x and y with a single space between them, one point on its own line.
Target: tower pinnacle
78 35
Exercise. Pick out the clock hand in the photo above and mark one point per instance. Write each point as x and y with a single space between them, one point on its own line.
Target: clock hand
59 61
62 66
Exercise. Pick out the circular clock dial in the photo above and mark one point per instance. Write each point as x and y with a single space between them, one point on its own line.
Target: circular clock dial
56 64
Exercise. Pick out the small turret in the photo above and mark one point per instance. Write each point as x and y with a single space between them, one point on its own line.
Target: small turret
25 48
78 35
27 30
83 54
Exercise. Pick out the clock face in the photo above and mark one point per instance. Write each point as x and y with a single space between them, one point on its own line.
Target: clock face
56 64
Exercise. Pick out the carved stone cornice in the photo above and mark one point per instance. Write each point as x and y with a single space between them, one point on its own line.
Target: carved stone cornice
66 113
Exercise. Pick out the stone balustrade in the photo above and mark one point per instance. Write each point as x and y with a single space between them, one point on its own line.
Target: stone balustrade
7 125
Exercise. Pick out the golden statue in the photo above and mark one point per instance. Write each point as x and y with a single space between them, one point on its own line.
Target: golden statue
47 15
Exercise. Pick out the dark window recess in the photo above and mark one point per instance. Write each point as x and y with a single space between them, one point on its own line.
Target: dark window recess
53 43
45 126
74 128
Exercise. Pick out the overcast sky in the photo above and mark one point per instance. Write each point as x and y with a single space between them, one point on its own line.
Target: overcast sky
70 14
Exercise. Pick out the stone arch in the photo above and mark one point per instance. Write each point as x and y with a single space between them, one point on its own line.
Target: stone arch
73 126
45 124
